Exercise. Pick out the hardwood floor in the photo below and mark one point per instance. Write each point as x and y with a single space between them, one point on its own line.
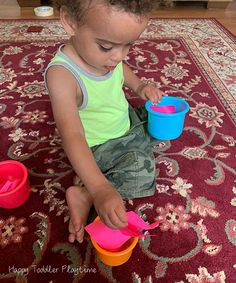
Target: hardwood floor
227 16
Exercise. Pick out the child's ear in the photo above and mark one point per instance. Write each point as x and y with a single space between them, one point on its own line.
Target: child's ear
68 23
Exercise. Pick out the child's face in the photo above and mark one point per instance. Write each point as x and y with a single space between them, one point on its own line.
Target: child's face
106 37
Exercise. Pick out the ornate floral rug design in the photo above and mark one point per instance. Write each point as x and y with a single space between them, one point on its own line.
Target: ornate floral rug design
196 174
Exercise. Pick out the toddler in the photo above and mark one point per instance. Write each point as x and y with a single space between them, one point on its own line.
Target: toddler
102 135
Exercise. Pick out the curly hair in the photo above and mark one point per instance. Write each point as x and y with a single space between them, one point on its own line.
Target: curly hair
77 8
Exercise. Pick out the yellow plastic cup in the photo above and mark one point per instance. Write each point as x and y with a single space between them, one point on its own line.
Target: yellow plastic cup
115 258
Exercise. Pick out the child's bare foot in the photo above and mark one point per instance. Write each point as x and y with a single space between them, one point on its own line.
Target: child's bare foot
79 202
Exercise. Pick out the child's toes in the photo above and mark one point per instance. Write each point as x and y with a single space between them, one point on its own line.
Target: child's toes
80 235
72 232
71 237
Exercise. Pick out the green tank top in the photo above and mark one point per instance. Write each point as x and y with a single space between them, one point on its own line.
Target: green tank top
104 112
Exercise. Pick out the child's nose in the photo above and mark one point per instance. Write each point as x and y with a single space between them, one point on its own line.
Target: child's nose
118 55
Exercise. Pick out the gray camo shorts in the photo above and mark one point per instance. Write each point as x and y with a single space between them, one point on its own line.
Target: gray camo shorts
128 161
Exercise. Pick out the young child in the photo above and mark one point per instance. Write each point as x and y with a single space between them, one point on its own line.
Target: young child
103 137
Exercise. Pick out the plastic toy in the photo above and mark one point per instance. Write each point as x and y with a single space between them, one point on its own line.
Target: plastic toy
113 240
115 247
166 119
14 186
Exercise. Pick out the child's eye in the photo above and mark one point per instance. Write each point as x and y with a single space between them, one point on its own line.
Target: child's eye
105 49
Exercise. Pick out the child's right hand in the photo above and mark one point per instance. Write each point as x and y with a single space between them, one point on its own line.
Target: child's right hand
110 207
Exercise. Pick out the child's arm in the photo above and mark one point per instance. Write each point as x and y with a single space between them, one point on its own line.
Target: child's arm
64 91
145 91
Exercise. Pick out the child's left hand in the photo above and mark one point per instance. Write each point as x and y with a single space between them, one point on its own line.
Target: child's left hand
150 91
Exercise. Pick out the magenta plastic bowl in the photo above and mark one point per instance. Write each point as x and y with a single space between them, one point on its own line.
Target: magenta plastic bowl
11 170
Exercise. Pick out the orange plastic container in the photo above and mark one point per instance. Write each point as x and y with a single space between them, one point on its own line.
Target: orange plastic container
115 258
11 170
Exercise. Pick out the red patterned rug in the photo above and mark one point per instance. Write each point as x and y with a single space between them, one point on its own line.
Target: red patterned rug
196 174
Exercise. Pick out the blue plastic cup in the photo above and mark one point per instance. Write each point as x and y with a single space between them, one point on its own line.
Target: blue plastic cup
165 126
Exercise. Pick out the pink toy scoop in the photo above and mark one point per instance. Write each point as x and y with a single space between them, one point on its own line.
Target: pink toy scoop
112 240
163 109
8 185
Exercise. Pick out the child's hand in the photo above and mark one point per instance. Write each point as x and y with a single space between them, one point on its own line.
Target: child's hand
150 91
110 207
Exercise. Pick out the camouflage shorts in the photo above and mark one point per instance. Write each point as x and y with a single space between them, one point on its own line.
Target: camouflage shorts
128 161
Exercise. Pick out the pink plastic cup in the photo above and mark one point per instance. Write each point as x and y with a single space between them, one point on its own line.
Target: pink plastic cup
16 173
